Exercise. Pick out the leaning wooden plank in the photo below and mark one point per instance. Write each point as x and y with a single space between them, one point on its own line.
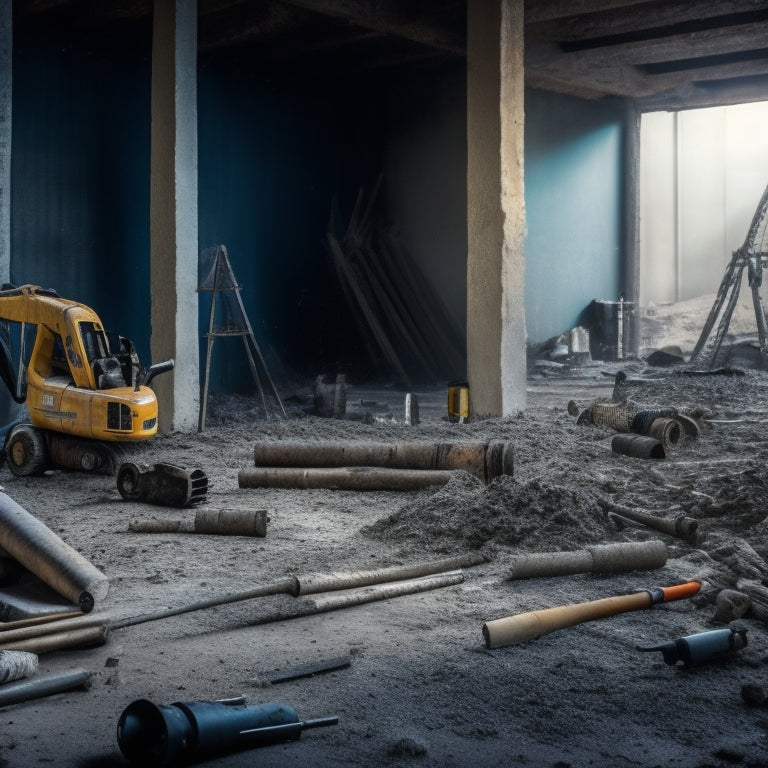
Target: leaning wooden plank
33 621
421 298
389 311
56 641
425 347
381 338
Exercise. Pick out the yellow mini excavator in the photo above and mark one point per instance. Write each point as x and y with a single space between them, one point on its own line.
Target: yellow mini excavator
83 387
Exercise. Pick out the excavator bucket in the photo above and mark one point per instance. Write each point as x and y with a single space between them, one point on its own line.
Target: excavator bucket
163 484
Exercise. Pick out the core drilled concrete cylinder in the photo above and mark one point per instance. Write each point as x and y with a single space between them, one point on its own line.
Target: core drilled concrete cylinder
600 558
42 552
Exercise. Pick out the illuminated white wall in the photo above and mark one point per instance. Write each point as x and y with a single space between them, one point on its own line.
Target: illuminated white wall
702 175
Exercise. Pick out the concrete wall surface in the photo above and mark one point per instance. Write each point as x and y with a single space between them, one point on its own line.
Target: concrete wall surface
703 173
274 155
573 197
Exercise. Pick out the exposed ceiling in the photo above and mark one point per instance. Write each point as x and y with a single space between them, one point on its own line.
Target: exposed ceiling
667 54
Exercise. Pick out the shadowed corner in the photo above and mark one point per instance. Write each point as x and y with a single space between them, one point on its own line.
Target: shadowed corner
114 760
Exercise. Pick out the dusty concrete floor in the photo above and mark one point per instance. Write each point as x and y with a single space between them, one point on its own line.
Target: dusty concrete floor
421 688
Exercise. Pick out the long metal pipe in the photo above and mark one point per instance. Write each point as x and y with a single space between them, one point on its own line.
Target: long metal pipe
36 687
343 478
295 586
485 460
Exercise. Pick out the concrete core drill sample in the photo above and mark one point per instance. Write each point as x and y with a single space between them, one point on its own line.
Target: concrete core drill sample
43 553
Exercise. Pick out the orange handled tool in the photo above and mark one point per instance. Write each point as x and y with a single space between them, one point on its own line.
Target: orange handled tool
526 626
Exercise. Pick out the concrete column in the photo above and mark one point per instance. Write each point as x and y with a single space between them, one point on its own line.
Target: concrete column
631 271
173 212
496 353
6 101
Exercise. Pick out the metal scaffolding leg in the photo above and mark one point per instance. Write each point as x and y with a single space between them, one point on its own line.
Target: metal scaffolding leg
221 278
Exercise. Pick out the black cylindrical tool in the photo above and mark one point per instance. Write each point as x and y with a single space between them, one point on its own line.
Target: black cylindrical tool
178 734
701 648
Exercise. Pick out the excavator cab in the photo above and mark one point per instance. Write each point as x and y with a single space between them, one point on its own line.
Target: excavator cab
80 384
112 358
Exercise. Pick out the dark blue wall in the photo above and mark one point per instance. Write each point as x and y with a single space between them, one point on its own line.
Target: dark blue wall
80 180
273 155
271 161
573 200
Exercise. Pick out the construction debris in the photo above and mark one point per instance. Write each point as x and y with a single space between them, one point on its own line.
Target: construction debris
484 460
344 478
330 400
411 417
156 736
17 664
666 427
44 685
600 558
217 522
81 637
395 581
44 554
162 484
730 604
680 526
305 670
639 446
701 648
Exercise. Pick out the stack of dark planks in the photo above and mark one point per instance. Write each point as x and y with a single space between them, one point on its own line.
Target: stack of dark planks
409 332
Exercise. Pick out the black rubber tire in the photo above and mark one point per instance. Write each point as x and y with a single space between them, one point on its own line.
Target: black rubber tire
128 480
26 451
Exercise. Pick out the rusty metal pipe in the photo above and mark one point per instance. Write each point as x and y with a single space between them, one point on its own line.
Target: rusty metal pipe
485 460
680 526
639 446
218 522
42 552
667 432
343 478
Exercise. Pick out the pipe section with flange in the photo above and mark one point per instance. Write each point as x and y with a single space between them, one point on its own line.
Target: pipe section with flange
485 460
343 478
667 432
